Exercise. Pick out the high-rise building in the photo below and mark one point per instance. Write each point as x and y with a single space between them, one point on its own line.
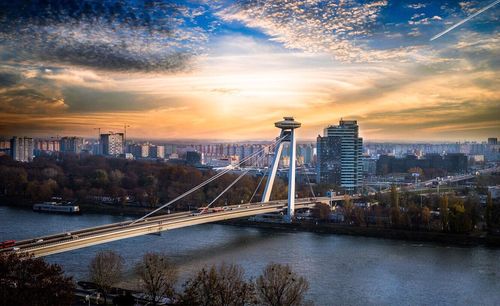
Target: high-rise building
71 144
369 166
157 151
4 144
340 156
306 152
111 144
140 150
21 148
52 145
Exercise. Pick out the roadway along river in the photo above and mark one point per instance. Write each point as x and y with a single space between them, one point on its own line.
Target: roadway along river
342 270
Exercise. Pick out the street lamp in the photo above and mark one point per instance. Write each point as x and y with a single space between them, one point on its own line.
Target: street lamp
415 175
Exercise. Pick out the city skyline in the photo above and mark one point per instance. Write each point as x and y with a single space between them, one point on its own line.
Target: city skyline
226 70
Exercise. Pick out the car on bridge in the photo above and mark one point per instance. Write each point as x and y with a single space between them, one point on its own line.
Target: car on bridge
207 210
7 244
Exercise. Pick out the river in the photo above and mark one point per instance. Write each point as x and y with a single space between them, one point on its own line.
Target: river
342 270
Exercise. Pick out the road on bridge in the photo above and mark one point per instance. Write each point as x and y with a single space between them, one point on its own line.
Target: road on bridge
62 242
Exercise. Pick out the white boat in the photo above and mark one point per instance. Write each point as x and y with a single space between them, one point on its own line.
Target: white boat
56 208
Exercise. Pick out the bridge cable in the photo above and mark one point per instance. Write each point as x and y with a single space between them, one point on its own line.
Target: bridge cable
258 185
304 169
308 180
261 180
204 183
234 182
226 189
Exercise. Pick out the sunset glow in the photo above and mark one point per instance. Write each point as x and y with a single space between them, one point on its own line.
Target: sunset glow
228 70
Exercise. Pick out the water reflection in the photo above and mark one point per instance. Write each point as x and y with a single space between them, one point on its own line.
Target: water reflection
342 270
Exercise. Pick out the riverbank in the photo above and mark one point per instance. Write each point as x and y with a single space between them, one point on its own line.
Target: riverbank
91 208
473 239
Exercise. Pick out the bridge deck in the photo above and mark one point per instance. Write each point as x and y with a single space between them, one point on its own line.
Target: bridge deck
62 242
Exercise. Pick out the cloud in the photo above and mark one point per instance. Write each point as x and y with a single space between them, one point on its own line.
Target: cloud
417 6
8 79
23 92
29 101
113 35
313 26
427 20
469 7
64 71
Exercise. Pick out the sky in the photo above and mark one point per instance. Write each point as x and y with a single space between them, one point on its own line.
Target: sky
227 70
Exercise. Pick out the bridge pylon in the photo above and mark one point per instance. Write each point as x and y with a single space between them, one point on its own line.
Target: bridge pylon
287 126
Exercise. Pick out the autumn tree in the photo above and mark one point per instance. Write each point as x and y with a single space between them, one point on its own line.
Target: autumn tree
416 170
472 215
321 211
426 216
223 285
348 208
443 212
13 180
456 216
157 276
395 210
100 178
413 215
32 281
105 270
279 285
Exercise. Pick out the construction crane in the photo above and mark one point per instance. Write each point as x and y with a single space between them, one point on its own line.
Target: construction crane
98 139
125 126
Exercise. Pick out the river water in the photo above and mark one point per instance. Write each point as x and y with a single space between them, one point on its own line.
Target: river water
342 270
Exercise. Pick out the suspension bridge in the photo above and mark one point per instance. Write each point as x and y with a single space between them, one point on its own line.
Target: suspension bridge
154 222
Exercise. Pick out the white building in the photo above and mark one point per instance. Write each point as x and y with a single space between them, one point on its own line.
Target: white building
340 156
111 144
21 148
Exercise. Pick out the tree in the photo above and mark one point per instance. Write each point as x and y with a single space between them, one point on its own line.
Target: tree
105 270
32 281
426 216
443 212
116 177
100 178
414 217
13 180
359 216
280 286
321 211
395 211
157 276
348 208
218 286
416 170
489 211
456 216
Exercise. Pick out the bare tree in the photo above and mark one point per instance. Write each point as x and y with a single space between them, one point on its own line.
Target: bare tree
218 286
105 270
157 276
25 280
280 286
